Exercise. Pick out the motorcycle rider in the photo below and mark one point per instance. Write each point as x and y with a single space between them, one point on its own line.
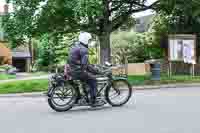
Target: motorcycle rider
79 65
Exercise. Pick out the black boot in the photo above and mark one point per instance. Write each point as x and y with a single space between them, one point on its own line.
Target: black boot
96 103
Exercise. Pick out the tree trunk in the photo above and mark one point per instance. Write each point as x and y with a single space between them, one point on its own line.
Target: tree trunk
105 50
30 50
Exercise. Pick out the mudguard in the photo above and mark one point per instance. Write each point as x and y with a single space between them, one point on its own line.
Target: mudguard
119 78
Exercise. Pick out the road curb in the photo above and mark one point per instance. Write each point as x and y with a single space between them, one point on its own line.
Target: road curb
28 95
166 86
148 87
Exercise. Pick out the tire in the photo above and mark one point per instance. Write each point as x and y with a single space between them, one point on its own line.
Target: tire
67 106
117 90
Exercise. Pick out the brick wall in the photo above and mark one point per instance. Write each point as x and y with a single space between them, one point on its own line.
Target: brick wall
6 54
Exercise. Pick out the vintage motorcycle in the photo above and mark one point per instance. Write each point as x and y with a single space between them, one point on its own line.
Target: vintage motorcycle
63 94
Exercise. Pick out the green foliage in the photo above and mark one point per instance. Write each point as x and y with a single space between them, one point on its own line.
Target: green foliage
7 76
56 16
182 16
53 50
146 80
90 15
177 17
89 8
44 51
160 30
160 25
92 56
6 67
20 24
135 47
66 43
138 79
100 17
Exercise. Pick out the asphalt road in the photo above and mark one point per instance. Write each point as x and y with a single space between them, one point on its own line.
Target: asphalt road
175 110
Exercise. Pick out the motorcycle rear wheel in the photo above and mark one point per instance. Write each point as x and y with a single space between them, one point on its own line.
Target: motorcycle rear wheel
63 93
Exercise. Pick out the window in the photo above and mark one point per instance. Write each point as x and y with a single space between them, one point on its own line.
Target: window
138 21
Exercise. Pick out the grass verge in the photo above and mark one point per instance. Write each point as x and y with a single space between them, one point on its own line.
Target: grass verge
42 84
7 76
24 86
146 80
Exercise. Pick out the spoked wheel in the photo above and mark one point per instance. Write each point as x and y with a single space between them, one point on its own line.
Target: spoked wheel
62 98
119 93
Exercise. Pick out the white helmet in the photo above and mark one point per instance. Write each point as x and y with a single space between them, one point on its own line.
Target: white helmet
84 37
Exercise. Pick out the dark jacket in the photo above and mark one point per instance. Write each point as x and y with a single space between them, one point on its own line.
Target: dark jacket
79 64
78 57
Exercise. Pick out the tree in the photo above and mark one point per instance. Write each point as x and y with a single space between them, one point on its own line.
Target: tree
53 50
177 17
44 51
100 17
182 16
20 24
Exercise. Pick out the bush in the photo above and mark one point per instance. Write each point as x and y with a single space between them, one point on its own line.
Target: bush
135 47
6 67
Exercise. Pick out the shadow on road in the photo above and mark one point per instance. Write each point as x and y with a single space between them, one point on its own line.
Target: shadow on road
99 109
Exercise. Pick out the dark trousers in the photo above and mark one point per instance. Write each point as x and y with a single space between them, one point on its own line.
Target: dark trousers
90 79
93 88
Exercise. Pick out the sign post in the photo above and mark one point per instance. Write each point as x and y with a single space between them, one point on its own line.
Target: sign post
182 48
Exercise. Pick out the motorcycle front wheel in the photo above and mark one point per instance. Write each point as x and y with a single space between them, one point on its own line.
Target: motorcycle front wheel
118 93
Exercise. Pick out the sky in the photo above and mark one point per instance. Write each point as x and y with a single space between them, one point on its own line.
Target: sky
2 2
147 12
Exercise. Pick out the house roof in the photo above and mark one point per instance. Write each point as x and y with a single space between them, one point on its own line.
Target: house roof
21 52
21 55
143 23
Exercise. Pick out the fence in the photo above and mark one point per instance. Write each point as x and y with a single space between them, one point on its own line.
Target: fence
179 68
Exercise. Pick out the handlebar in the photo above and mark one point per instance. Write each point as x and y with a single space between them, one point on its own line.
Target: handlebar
104 70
